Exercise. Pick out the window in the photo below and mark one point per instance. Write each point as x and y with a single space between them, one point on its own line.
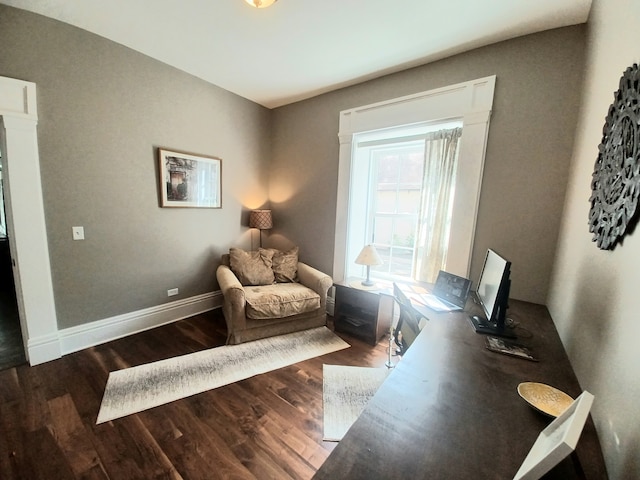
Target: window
372 131
388 173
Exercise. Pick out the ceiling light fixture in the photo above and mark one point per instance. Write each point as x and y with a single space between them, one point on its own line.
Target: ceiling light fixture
261 3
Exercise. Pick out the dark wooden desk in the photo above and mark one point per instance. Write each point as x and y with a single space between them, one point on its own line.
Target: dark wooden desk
450 408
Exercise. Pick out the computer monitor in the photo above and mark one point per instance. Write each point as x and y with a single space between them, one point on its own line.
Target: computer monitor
492 293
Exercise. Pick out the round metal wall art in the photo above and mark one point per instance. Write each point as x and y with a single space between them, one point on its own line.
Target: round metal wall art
616 177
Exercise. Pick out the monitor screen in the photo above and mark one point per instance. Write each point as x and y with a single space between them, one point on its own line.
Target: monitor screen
494 276
493 287
493 294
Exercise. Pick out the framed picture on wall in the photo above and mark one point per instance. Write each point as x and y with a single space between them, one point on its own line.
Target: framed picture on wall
189 180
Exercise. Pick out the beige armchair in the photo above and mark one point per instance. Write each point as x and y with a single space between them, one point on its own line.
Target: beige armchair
268 292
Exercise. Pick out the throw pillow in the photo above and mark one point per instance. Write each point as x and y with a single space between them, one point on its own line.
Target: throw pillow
252 268
285 265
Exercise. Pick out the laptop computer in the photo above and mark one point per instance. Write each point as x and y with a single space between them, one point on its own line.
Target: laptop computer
449 293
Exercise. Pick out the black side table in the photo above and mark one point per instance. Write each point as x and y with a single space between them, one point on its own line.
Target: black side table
364 314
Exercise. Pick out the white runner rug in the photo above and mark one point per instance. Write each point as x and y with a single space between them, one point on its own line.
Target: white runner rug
138 388
345 393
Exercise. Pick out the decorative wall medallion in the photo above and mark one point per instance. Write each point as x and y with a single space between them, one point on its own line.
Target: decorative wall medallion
616 177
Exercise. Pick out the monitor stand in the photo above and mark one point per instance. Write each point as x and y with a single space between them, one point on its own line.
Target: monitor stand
481 325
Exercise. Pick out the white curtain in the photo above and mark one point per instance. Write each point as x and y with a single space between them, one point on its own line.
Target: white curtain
438 181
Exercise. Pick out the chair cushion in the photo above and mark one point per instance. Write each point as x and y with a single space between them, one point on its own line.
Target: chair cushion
279 300
285 265
252 268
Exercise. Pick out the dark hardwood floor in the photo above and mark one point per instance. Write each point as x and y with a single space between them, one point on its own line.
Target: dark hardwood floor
11 345
268 426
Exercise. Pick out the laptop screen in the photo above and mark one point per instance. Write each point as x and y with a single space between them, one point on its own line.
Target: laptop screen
452 288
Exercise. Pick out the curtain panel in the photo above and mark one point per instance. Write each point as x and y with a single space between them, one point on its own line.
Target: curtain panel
436 205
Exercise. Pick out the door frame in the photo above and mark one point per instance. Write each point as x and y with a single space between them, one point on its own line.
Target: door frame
26 224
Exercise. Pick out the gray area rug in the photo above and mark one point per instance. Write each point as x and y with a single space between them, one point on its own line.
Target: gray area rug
345 393
135 389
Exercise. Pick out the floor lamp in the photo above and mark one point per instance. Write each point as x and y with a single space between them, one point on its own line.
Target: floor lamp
260 219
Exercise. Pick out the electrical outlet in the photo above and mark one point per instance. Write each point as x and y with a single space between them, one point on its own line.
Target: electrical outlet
171 292
78 233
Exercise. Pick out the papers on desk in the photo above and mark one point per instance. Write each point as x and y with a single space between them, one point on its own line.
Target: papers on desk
500 345
449 293
433 302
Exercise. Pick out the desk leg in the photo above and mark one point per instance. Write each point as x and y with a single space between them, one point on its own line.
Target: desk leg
389 363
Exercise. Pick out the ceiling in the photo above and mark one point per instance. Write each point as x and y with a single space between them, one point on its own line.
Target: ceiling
297 49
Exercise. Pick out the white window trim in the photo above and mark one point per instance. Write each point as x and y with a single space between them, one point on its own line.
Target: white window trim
471 101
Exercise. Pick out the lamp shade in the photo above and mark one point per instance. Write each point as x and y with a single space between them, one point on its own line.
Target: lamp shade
369 256
260 219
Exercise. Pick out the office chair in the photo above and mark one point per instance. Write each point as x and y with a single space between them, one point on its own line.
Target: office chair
408 326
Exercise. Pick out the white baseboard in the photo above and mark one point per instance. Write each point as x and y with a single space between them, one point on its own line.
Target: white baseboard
43 349
84 336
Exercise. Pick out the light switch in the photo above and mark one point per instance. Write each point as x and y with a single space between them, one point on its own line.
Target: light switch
78 233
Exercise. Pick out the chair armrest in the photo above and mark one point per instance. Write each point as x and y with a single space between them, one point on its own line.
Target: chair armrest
234 300
315 280
228 280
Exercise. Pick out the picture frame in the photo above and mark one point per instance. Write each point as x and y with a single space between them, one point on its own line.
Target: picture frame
556 441
189 180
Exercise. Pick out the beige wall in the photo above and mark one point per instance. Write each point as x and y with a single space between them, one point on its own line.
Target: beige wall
594 296
530 139
104 109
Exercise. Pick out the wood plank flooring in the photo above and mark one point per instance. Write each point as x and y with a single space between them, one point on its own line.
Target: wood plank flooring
11 345
268 426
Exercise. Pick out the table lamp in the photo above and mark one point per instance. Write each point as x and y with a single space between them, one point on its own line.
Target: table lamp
368 256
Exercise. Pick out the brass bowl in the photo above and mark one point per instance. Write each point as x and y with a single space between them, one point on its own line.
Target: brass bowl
545 398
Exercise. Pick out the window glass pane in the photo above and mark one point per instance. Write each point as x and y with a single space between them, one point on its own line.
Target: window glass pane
386 199
404 232
410 179
388 163
401 262
409 201
383 230
411 165
384 253
387 180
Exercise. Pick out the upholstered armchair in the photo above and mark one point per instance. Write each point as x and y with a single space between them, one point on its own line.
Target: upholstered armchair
269 292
